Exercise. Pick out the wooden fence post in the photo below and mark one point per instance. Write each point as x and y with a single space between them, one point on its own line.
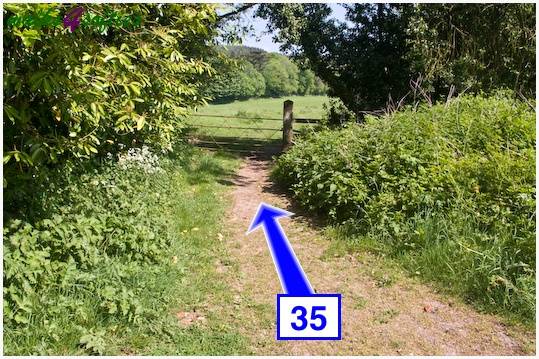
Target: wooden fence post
288 121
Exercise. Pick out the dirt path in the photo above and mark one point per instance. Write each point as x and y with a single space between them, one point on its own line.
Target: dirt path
378 317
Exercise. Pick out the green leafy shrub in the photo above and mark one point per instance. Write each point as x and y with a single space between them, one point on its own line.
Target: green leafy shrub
94 256
97 223
449 187
81 93
337 115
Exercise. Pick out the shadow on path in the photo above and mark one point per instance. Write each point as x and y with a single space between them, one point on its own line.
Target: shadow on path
241 146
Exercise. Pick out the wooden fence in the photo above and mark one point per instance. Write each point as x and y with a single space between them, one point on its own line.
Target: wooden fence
287 128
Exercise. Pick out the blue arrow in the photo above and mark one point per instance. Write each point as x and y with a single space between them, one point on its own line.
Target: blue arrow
293 279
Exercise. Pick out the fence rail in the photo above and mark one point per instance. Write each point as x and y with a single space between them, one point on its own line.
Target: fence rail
237 117
297 120
307 120
259 142
239 127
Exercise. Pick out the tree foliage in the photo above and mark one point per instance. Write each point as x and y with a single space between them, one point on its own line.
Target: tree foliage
236 81
82 93
245 72
310 84
474 46
281 76
373 57
255 56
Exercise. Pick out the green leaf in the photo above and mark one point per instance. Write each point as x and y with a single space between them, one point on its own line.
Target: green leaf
7 157
28 36
135 86
20 318
140 122
109 57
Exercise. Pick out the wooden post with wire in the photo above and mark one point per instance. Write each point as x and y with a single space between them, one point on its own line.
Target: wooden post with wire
288 122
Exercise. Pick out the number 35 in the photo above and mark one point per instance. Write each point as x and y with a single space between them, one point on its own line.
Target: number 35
301 317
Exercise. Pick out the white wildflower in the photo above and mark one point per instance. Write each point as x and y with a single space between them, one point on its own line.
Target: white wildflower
141 158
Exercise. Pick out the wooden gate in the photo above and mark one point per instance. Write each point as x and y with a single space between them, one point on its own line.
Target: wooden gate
248 134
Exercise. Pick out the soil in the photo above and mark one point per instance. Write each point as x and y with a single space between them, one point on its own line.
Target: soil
404 317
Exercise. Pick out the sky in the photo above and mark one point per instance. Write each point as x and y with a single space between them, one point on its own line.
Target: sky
265 42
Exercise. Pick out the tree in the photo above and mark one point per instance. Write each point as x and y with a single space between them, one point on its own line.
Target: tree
362 65
236 81
281 76
373 59
320 88
255 56
310 84
306 82
244 72
474 46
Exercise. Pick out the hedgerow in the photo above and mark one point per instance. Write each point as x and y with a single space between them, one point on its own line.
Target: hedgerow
84 92
449 189
91 252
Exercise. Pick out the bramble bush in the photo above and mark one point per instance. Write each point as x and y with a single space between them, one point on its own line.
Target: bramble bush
449 189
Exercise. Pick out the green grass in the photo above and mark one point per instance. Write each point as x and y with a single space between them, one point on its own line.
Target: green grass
462 272
304 107
182 203
189 284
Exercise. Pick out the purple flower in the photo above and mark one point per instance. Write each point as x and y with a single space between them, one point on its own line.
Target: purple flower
72 18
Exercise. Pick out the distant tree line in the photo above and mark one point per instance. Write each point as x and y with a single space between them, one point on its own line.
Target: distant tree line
255 73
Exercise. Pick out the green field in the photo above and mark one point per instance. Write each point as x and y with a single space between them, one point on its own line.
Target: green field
270 108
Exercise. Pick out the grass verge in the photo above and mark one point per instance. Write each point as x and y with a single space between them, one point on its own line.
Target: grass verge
120 260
